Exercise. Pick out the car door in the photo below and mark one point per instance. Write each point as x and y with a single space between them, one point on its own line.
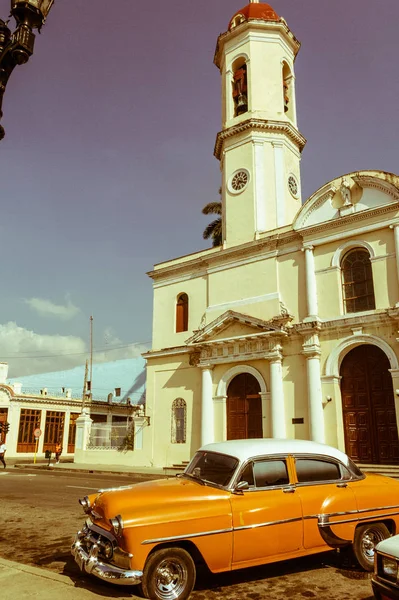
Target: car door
267 517
326 498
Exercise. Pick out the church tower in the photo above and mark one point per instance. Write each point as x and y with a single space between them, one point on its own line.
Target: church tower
259 146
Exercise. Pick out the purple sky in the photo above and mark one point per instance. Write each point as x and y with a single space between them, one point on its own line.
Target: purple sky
108 155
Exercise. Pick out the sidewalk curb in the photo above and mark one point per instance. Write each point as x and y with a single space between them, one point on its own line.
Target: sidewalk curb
36 571
61 470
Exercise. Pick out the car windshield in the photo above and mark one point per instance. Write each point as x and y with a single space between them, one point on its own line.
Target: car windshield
211 467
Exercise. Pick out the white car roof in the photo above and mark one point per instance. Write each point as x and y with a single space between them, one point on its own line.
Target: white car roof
246 449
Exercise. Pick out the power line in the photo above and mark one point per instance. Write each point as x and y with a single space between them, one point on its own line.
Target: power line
31 355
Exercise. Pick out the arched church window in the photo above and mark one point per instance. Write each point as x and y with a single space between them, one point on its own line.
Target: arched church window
357 281
240 87
179 417
287 90
182 313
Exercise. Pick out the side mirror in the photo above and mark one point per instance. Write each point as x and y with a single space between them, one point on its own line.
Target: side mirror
241 487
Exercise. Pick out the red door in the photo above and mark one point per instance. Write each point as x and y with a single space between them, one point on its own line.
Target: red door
371 433
244 408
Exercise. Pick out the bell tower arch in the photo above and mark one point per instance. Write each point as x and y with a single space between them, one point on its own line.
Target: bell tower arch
259 146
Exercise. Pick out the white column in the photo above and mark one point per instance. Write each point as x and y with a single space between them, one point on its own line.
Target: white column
139 424
277 399
207 420
42 427
311 289
396 236
259 185
265 399
316 416
279 183
83 426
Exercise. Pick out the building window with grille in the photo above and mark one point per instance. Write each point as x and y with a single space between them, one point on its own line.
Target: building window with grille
357 281
54 429
179 414
182 313
28 422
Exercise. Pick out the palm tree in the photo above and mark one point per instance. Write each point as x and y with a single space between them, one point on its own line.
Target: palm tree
214 229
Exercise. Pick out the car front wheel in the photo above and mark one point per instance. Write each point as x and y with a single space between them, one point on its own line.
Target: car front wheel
366 539
169 574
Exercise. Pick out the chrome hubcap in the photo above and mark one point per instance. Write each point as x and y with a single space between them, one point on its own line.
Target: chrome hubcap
170 579
369 542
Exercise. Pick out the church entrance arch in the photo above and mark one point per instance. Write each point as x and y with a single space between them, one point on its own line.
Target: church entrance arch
244 408
371 432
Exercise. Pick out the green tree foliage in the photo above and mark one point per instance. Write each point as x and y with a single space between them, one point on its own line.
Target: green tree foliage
214 229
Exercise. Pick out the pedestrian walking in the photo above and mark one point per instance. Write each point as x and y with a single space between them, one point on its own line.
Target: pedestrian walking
58 452
2 453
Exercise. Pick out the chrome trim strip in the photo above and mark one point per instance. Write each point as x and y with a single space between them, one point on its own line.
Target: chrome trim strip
353 512
323 521
268 524
186 536
343 521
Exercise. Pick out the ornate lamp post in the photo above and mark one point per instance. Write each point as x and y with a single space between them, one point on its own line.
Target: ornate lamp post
17 47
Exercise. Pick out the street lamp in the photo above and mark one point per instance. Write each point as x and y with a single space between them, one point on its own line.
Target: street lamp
17 47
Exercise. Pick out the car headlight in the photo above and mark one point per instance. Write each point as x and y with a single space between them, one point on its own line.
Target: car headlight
117 524
85 503
389 568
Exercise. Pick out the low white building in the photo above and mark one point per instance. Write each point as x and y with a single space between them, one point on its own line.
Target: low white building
39 418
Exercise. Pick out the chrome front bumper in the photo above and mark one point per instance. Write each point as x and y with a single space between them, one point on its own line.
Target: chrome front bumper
104 571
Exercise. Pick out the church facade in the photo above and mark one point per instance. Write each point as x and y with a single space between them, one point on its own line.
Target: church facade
289 329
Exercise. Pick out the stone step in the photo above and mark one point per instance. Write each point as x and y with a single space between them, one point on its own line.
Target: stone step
388 470
176 468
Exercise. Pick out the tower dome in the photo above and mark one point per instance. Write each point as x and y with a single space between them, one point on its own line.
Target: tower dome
253 10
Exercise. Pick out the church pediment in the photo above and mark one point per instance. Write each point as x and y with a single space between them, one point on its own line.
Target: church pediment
233 325
350 194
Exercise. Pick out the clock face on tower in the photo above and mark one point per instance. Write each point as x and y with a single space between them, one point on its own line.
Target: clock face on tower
293 186
238 181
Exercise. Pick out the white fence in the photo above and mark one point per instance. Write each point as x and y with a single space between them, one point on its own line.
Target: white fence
107 435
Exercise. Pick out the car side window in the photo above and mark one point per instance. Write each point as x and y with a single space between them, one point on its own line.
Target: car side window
310 470
270 473
248 475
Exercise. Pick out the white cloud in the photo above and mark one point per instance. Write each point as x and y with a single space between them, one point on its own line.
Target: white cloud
113 348
46 308
28 353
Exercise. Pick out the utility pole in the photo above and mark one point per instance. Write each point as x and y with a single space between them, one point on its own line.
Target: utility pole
85 387
91 357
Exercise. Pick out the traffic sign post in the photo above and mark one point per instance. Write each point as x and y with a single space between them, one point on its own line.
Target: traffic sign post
37 433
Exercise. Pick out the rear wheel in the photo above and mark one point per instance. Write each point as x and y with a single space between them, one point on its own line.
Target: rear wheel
366 539
169 574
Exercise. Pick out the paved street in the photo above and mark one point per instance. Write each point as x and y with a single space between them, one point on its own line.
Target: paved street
40 513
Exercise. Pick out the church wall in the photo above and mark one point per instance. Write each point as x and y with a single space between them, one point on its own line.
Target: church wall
169 379
254 281
265 92
164 319
237 210
295 389
292 167
291 277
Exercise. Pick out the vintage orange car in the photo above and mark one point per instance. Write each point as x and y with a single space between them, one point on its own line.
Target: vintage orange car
238 504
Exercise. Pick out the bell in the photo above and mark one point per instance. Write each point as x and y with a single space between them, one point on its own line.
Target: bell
242 104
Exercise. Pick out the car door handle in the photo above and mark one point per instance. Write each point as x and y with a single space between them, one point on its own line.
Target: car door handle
289 490
342 485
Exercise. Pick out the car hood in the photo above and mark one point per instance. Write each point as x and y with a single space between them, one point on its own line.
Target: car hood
167 499
390 546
